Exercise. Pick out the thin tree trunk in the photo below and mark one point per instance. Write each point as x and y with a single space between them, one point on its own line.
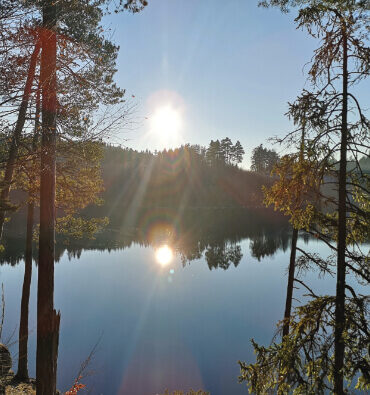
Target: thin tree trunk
13 151
293 250
342 234
47 319
22 373
289 292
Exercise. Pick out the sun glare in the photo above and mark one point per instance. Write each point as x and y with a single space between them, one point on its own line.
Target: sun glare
166 123
164 255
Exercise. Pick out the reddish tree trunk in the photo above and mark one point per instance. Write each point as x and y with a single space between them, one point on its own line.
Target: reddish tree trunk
47 318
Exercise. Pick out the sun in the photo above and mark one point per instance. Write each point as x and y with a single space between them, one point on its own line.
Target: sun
166 123
164 255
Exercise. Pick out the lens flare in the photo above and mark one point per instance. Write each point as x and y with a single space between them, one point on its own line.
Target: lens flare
164 255
166 124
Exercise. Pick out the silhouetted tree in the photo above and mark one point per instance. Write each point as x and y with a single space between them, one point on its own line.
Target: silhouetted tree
263 160
226 146
22 372
237 153
224 152
291 193
82 52
338 340
16 134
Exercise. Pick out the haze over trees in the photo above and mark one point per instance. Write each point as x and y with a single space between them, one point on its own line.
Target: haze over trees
224 152
263 160
183 177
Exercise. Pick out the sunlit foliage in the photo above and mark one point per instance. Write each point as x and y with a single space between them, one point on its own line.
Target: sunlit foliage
303 362
325 192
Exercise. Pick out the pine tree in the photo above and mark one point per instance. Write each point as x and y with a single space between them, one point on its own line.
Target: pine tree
238 152
339 338
226 149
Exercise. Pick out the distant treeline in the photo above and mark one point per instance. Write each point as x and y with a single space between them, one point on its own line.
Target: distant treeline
189 176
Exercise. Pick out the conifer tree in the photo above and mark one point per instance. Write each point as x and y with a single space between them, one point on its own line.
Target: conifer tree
237 153
73 48
341 61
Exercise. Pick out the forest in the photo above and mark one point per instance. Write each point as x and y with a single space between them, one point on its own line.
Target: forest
66 191
188 177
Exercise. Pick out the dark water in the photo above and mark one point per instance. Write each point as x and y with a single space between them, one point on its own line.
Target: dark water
172 302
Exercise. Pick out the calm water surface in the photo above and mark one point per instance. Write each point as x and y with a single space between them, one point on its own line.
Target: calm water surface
162 320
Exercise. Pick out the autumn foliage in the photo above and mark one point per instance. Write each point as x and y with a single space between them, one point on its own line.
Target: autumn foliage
77 386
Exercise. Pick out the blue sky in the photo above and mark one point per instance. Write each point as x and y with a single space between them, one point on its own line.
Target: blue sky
233 65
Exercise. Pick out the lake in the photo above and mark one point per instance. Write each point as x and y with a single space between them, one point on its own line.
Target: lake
172 303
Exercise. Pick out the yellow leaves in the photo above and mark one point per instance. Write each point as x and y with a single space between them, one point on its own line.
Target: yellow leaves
295 190
362 384
79 228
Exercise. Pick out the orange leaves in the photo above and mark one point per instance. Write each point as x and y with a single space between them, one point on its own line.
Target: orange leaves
76 387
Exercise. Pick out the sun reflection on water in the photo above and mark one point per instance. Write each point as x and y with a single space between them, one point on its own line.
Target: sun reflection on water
164 255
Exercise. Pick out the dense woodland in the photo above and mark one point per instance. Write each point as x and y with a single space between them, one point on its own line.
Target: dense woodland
190 176
112 181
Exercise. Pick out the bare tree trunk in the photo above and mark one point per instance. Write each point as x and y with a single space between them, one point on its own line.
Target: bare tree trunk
289 292
342 233
293 250
47 319
22 373
13 151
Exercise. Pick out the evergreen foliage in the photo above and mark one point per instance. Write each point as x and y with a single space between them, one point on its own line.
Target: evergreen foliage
327 347
263 160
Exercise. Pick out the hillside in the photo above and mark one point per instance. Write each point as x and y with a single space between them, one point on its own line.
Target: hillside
179 178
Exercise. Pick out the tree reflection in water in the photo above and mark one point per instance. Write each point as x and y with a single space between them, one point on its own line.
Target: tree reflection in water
222 256
215 233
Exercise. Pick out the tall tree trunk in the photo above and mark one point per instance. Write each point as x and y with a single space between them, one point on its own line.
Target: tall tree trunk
293 250
47 318
289 292
22 373
342 233
13 151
